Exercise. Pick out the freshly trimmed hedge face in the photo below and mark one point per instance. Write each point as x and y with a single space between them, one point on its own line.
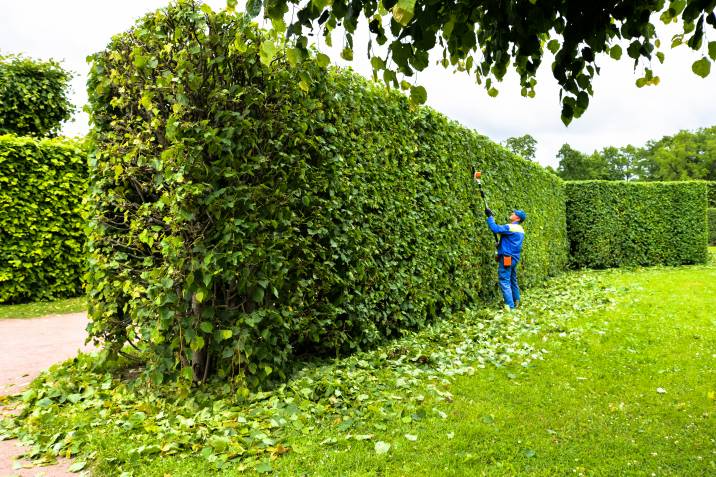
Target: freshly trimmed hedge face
42 233
33 97
248 211
712 226
614 224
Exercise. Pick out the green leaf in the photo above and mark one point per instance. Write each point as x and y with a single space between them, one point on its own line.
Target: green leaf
197 343
377 63
347 54
258 295
294 56
403 11
418 95
615 52
226 334
381 447
634 49
264 468
702 67
323 60
219 443
206 327
493 92
267 52
77 466
553 46
253 7
712 50
200 295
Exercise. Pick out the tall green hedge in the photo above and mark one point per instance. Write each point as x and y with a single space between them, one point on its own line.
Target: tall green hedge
34 97
42 233
245 211
613 224
712 226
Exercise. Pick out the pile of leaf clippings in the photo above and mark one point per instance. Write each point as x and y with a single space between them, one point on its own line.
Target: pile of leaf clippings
66 408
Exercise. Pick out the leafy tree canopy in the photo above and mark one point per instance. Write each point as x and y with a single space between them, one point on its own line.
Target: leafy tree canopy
524 146
687 155
485 39
576 165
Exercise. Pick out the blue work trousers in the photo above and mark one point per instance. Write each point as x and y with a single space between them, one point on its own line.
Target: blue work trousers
508 282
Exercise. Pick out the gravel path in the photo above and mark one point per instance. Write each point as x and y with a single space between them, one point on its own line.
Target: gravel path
29 347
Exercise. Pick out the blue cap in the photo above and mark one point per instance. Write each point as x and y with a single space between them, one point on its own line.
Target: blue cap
521 214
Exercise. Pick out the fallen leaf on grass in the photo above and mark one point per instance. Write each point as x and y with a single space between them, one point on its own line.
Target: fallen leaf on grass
381 447
77 466
661 390
411 437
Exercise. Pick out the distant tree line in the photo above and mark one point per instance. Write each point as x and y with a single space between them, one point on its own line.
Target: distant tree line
683 156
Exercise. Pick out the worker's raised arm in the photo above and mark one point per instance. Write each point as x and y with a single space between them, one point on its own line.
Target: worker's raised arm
496 229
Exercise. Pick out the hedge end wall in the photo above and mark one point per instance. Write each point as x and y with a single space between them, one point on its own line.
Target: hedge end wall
245 211
614 224
42 232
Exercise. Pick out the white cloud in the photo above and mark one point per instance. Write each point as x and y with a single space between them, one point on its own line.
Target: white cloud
619 113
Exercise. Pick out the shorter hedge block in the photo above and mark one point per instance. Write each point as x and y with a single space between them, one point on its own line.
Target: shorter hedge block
42 232
614 224
34 97
712 226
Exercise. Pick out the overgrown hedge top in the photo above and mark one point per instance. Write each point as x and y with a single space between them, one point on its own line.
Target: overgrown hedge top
42 233
245 211
33 96
613 224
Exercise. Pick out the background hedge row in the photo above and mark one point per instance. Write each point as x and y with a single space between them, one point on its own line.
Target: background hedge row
34 97
245 211
613 224
42 231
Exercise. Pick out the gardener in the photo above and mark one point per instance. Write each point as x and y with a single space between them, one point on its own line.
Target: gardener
508 253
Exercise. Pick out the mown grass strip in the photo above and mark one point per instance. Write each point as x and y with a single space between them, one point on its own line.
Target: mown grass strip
39 309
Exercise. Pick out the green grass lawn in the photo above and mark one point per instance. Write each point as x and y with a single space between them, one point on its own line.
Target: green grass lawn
632 394
607 380
34 310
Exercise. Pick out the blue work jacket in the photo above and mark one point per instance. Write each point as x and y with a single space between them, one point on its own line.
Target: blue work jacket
511 238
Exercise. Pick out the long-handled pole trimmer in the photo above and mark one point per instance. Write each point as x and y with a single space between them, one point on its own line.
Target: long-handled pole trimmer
477 175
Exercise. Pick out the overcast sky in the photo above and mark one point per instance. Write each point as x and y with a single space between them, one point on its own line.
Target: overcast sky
619 113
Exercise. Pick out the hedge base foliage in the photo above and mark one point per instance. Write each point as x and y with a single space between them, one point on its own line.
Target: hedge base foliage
614 224
42 232
249 206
